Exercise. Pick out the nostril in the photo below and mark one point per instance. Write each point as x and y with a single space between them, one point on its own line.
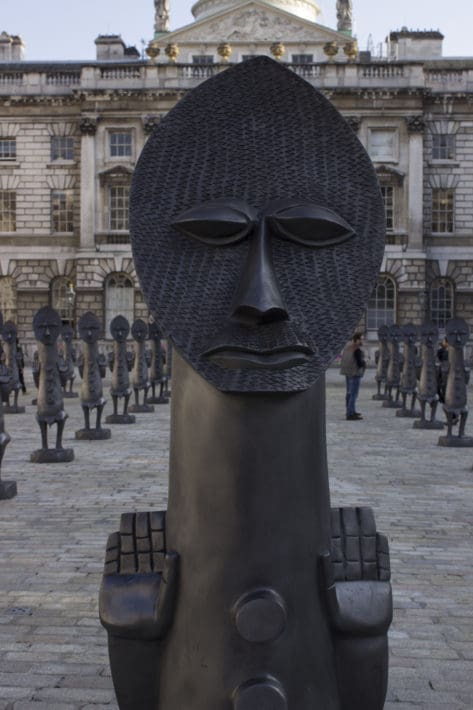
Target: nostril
250 315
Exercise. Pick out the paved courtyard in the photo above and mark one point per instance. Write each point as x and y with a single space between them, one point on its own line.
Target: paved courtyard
53 651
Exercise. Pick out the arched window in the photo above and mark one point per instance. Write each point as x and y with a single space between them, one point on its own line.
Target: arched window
442 294
119 299
382 304
63 298
8 298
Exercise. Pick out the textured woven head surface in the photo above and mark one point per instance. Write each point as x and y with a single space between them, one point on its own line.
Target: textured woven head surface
275 272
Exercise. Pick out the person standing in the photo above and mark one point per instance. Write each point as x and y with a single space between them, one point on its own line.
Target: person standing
353 366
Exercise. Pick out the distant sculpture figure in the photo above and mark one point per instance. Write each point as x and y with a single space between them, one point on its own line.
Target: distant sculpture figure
383 362
120 388
345 16
7 488
47 327
161 16
66 367
139 378
35 372
455 405
156 375
9 335
408 381
91 388
427 390
393 376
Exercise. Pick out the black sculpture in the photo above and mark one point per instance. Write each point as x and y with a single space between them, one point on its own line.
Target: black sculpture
9 335
7 488
246 595
139 377
120 389
455 404
156 375
91 388
393 375
35 372
47 327
408 380
383 363
66 363
427 390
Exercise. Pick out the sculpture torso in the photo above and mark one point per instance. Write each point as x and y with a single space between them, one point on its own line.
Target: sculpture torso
12 364
383 361
156 368
455 393
91 388
408 379
428 375
120 377
394 367
139 377
50 401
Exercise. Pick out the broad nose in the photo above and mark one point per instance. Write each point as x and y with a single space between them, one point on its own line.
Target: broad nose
258 299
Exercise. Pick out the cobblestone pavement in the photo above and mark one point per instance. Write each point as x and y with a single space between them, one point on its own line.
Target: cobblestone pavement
53 650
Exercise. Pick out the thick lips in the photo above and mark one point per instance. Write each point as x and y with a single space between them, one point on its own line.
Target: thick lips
240 358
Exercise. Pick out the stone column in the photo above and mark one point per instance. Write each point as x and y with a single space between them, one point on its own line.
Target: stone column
88 128
415 127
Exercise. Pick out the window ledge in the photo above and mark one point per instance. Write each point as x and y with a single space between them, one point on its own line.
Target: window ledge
447 162
61 163
9 164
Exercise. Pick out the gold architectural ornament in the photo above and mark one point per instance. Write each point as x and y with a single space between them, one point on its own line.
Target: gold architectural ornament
152 50
351 50
224 50
172 51
277 49
331 50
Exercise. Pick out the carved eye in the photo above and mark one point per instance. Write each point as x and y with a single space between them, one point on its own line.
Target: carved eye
214 223
311 225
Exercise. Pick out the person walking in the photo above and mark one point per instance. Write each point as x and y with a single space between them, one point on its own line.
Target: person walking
353 366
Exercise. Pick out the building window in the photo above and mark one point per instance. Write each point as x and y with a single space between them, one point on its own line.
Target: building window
302 58
443 146
63 298
387 192
119 199
121 144
7 148
441 302
7 211
382 145
119 299
443 201
62 148
62 210
382 304
202 59
8 298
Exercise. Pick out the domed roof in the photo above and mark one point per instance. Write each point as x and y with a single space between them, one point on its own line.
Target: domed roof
306 9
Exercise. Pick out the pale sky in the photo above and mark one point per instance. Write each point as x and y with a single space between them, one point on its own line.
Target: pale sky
66 29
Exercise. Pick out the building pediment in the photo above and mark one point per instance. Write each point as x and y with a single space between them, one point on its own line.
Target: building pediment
254 21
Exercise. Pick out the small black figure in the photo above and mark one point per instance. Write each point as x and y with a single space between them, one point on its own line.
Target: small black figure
408 381
66 367
91 388
455 405
393 377
20 358
7 488
158 357
10 338
119 328
139 378
427 391
35 372
47 327
383 362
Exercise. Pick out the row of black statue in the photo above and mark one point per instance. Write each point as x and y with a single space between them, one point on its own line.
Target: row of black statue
408 378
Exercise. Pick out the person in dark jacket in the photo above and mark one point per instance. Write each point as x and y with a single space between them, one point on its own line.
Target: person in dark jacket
353 366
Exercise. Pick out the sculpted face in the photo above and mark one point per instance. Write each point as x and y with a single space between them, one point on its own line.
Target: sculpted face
67 333
383 333
9 332
47 325
154 332
119 329
395 333
139 331
410 333
257 233
457 332
89 328
429 334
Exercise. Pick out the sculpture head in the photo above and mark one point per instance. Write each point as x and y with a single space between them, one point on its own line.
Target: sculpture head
119 329
67 333
429 334
383 333
410 333
457 332
47 325
9 332
394 333
90 329
139 330
257 229
154 332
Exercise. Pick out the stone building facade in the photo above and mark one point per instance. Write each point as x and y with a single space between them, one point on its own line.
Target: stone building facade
70 135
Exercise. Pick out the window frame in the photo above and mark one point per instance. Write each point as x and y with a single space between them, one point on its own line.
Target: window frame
389 209
386 315
443 146
61 302
67 145
123 281
443 216
5 155
6 210
118 152
445 302
391 156
124 209
57 218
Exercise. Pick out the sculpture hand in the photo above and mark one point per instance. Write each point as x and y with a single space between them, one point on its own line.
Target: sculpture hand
140 579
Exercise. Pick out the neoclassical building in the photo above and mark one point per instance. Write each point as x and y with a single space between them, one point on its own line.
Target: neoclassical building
70 135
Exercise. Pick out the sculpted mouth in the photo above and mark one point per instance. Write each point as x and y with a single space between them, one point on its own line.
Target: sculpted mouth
242 358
